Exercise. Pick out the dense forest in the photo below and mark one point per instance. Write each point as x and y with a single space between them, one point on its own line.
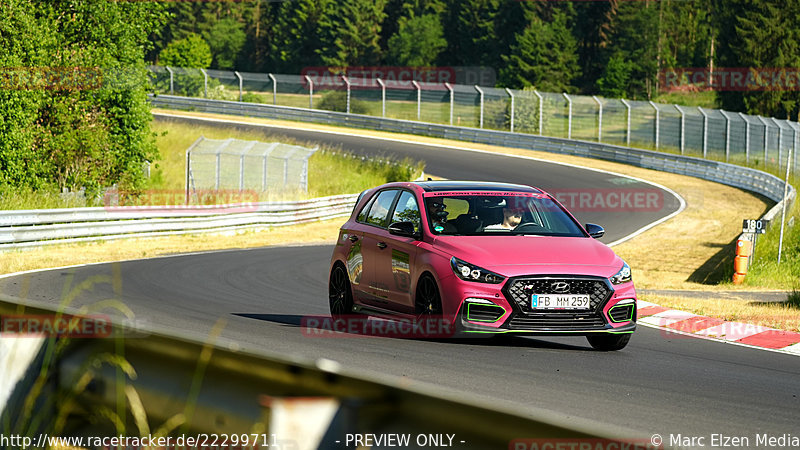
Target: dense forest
95 133
615 48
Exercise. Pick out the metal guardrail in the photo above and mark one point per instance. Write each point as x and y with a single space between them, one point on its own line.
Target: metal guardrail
53 226
193 388
746 178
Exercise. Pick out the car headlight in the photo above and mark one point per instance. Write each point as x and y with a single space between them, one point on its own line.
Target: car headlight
471 272
623 276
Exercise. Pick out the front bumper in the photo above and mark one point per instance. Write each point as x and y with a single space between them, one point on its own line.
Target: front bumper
506 309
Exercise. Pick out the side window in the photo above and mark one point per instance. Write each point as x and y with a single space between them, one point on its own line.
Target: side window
362 215
407 210
380 208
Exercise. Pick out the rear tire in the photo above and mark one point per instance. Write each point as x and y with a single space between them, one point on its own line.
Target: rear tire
609 342
340 294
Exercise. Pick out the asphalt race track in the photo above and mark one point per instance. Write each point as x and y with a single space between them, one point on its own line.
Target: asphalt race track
658 384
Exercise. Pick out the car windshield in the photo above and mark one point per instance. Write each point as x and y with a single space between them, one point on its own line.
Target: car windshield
498 214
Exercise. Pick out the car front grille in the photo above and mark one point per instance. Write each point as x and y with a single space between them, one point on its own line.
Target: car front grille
518 291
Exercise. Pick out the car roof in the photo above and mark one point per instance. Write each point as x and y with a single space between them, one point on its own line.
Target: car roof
434 186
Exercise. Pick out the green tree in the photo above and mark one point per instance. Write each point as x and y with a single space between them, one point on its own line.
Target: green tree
88 134
616 78
226 39
544 57
298 35
192 51
350 33
418 41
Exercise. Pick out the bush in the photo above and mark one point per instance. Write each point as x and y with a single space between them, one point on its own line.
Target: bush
337 101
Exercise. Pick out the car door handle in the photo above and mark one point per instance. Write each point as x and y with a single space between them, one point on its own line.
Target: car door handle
382 245
353 238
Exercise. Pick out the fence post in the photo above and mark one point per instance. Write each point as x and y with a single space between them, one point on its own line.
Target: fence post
599 118
171 80
657 124
569 115
727 135
766 139
746 138
274 89
241 172
452 99
240 84
683 128
264 174
216 173
541 110
419 98
511 94
780 142
383 96
705 131
347 84
205 83
480 91
628 126
310 92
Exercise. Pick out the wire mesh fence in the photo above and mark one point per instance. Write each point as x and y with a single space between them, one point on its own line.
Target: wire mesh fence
237 165
692 131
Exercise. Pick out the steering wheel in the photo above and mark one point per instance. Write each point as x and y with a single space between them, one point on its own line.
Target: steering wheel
533 225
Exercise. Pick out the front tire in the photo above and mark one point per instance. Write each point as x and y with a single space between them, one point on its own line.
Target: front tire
428 301
340 294
609 342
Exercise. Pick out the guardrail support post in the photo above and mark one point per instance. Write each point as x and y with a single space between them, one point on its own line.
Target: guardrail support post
419 99
347 84
274 89
452 100
657 124
569 116
310 92
541 110
599 118
511 94
383 96
683 128
705 131
205 83
746 138
480 91
171 80
628 126
783 214
239 76
727 135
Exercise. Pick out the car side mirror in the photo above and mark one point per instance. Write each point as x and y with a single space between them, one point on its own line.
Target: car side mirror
405 229
595 231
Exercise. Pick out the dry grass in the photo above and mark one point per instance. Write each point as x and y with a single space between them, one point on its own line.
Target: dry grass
783 316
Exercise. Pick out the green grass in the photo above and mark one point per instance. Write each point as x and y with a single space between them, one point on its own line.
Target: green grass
706 99
765 270
331 171
14 199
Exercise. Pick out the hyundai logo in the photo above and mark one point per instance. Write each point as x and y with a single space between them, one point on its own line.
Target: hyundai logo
560 287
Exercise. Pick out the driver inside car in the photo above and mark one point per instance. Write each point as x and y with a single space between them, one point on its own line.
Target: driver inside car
512 217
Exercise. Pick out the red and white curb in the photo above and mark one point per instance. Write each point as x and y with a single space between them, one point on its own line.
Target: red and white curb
685 323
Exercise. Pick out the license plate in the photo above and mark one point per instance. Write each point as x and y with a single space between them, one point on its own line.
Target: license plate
555 301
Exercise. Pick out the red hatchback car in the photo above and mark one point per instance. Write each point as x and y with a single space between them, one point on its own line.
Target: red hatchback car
486 257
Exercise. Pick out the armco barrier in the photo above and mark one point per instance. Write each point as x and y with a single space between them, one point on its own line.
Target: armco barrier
190 389
40 227
746 178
